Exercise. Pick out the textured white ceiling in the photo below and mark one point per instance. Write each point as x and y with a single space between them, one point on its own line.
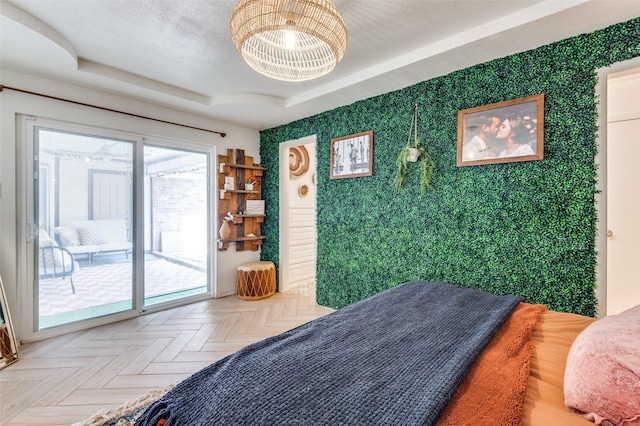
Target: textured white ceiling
179 52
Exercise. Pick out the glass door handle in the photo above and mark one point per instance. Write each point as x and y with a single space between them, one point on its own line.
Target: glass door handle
32 231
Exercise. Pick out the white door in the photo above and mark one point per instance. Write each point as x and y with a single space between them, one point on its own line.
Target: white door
298 216
623 194
110 195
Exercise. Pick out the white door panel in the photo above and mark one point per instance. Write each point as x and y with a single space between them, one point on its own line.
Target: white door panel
111 194
302 261
623 211
302 217
302 270
304 254
298 220
302 236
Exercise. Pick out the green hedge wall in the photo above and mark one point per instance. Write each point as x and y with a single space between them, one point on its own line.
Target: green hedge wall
524 228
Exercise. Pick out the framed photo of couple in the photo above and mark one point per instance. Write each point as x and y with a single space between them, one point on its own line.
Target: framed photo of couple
503 132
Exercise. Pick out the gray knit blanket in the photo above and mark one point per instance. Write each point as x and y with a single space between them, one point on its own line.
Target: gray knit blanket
395 358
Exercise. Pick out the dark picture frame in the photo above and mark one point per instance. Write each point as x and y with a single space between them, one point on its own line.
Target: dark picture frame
352 155
502 132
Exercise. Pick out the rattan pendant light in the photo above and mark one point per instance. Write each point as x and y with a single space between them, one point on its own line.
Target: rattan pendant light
290 40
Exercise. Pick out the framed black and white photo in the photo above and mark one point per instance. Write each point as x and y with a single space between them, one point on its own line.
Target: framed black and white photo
352 156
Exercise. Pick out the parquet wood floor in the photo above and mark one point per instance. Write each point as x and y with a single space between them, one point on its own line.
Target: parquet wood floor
65 379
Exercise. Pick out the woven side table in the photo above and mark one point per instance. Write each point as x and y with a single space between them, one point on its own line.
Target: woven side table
255 280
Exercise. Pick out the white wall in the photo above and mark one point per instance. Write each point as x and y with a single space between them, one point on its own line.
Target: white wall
12 103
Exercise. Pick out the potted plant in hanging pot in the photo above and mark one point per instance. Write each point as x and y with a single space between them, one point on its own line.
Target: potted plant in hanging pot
413 154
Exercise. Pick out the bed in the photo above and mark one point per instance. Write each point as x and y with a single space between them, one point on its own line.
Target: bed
420 353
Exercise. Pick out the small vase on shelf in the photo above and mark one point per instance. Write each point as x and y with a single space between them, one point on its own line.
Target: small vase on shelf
225 230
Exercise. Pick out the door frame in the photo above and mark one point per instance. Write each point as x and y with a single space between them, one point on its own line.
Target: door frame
601 183
284 207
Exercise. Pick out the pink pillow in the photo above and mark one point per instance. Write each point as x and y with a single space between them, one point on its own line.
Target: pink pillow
602 377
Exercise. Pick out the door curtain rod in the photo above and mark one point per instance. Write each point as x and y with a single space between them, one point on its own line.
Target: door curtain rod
2 87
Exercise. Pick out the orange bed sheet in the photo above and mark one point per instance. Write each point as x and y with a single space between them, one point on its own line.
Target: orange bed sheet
551 340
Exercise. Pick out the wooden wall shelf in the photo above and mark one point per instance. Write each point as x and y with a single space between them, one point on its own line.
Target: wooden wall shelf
240 166
234 200
236 239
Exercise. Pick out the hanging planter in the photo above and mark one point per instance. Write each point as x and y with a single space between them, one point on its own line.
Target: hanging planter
412 154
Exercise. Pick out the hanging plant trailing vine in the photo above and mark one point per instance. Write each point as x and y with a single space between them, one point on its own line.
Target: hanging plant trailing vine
426 170
412 154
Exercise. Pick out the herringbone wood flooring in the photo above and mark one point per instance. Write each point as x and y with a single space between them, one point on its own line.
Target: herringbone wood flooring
66 379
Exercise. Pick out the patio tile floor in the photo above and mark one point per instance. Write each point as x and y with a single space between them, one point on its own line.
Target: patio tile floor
103 284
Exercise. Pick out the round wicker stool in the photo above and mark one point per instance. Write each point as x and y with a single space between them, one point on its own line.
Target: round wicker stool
255 280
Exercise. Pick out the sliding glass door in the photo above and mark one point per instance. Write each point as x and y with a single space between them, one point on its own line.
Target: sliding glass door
84 207
117 225
176 194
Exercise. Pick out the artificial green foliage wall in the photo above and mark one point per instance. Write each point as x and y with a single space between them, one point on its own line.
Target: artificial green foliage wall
525 228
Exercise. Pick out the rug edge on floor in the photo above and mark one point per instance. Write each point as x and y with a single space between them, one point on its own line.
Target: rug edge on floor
127 413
